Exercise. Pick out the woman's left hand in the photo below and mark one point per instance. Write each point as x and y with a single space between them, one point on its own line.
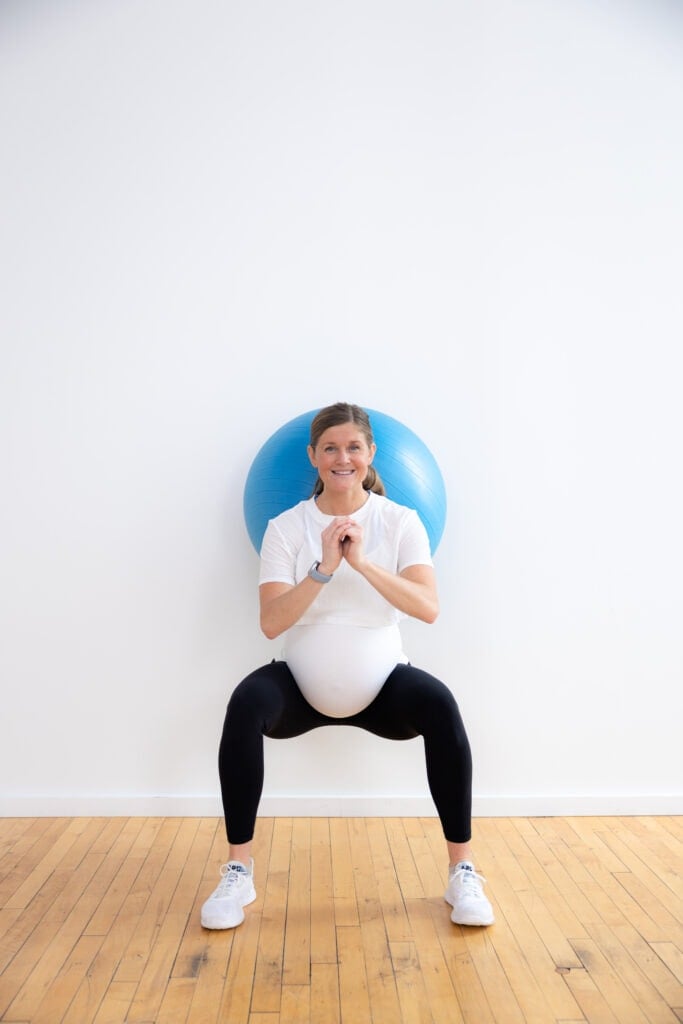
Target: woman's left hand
352 545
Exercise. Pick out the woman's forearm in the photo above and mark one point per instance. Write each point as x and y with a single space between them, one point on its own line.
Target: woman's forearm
282 605
412 592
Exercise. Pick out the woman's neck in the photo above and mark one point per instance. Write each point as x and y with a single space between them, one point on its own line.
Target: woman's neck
341 504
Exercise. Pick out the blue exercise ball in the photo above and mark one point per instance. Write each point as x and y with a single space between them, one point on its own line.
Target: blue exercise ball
281 474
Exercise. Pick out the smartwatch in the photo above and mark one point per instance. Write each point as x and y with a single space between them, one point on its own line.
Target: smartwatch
319 577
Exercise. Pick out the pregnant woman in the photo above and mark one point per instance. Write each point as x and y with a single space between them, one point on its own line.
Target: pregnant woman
338 572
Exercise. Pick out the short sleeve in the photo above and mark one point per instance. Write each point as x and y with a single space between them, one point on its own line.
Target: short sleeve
413 546
278 556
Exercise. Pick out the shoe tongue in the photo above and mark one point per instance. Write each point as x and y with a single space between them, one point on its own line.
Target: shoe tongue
234 865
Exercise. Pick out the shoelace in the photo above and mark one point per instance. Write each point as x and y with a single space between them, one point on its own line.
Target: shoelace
472 881
230 878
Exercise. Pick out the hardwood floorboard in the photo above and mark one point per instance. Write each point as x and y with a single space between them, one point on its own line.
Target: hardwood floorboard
99 923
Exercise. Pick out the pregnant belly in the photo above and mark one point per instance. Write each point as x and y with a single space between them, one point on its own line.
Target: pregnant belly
341 669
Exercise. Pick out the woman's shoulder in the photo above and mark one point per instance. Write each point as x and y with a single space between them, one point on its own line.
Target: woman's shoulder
285 531
294 515
391 516
388 507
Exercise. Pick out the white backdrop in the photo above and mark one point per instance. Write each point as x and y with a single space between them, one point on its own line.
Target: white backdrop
216 216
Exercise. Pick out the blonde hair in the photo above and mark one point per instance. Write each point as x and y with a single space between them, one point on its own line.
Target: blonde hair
334 416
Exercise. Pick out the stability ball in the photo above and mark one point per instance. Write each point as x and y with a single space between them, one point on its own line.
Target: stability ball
281 474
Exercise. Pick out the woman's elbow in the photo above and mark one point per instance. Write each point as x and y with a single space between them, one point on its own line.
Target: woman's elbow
269 629
430 613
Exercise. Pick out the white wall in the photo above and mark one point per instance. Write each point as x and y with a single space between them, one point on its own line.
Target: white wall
218 216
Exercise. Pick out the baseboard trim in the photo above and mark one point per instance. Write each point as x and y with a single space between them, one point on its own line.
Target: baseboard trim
485 806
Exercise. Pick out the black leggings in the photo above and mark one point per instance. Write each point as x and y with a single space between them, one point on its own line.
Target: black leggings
411 703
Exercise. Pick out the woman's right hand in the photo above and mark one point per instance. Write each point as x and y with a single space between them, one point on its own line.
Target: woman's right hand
332 539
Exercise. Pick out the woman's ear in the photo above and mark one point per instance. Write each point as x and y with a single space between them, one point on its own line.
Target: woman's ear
311 456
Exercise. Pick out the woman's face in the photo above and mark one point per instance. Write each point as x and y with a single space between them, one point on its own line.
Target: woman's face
342 457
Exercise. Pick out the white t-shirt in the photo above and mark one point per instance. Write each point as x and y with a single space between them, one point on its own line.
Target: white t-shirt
347 642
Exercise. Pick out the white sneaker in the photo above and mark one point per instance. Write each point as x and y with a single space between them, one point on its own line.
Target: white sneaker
466 895
224 907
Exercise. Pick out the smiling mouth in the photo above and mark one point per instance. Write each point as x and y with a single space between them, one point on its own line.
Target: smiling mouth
343 472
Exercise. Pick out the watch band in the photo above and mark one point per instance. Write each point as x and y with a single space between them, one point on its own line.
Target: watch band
319 577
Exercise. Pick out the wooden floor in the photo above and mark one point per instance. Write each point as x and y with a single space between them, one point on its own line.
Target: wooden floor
99 921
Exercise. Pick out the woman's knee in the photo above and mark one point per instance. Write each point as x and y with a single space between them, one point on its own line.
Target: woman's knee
425 689
436 705
255 697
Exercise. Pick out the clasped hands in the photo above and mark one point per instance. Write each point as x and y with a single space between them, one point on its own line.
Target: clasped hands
343 538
